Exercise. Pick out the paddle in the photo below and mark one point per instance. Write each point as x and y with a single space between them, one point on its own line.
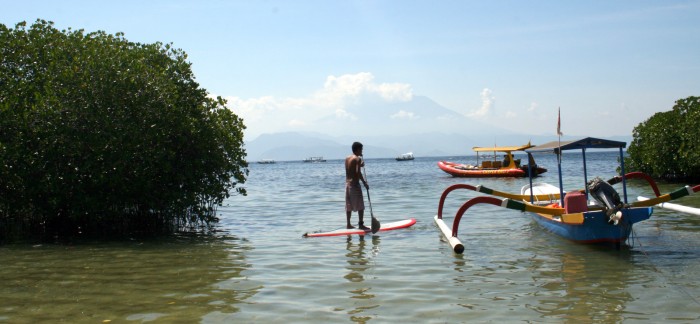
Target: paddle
375 223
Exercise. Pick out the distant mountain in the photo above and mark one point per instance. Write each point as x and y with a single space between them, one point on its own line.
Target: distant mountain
419 115
298 146
292 146
388 129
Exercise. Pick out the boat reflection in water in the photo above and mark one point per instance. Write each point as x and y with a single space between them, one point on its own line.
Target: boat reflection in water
587 292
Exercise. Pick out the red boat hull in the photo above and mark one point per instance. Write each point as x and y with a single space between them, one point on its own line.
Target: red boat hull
457 170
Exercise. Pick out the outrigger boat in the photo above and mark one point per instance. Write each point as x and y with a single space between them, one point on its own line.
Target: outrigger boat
606 219
508 167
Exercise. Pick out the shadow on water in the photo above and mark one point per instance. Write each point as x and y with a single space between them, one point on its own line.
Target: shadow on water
584 284
560 280
176 279
359 260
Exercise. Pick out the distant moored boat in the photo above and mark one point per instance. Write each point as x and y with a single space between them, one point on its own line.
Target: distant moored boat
315 159
405 157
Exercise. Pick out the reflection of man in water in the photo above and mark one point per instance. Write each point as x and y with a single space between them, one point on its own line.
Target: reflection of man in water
354 201
357 258
360 291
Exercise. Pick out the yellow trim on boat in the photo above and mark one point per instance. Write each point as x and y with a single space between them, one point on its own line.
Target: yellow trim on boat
544 210
576 218
653 201
502 148
526 198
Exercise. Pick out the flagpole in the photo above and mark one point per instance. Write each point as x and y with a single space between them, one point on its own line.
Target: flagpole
561 184
559 134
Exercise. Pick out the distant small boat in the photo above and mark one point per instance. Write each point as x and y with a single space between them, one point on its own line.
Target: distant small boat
405 157
315 159
267 161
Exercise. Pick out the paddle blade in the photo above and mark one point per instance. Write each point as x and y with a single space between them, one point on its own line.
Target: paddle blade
375 225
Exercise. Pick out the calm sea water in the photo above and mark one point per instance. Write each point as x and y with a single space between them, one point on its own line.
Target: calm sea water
258 268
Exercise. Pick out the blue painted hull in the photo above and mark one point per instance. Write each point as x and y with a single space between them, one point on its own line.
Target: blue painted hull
595 227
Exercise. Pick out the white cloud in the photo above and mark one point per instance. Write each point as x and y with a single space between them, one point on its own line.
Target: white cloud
532 107
488 102
511 114
353 87
271 114
402 114
341 113
297 123
445 117
395 91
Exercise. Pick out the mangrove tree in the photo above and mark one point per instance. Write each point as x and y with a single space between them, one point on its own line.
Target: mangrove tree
100 136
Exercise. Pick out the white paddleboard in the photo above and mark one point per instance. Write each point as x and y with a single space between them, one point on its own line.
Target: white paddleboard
355 231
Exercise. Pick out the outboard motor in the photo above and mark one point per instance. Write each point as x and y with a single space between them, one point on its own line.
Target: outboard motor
607 197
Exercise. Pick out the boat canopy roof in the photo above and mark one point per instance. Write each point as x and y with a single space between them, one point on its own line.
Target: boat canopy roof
502 148
588 142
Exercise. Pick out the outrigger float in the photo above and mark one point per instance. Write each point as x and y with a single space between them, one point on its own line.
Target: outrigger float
508 167
606 219
676 207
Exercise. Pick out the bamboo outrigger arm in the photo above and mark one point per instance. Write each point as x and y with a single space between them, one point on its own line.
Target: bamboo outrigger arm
515 196
510 204
681 192
614 180
488 191
678 193
451 234
636 175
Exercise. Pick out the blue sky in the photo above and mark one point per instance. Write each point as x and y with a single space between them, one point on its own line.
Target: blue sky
609 65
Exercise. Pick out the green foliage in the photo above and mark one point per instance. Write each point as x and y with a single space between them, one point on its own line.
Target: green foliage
102 136
667 145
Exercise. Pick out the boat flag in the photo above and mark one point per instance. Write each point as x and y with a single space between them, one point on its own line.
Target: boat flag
559 123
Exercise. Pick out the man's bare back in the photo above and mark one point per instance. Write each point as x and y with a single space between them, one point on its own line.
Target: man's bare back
352 168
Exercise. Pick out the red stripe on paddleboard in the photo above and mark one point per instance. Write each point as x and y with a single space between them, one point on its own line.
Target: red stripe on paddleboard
385 227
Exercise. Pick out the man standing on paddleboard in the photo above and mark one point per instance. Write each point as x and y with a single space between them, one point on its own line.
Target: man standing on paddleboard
354 201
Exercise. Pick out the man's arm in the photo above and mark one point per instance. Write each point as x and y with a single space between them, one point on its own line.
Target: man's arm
360 164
